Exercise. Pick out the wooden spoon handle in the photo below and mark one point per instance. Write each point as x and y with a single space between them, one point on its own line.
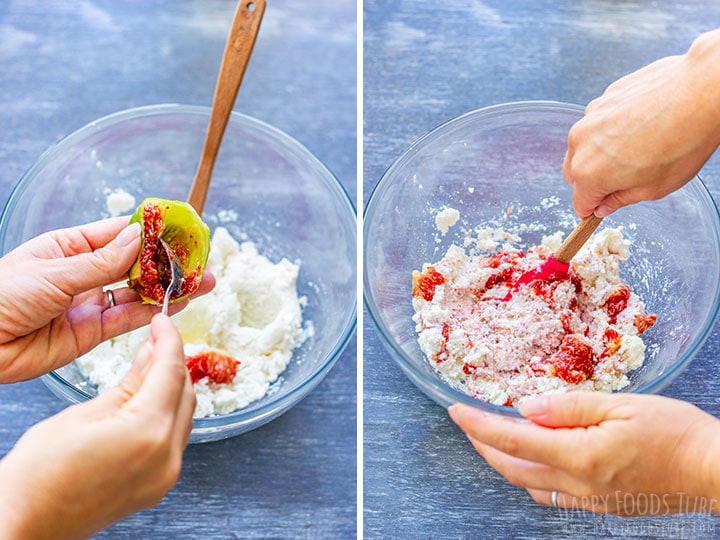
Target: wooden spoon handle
577 238
239 46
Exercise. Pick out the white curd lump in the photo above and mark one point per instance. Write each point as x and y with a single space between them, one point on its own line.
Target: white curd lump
253 315
446 218
119 201
582 332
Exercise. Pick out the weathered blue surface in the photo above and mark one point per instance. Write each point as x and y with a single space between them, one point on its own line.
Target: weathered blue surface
65 63
426 63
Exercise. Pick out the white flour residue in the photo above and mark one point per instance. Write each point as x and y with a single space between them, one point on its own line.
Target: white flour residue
549 202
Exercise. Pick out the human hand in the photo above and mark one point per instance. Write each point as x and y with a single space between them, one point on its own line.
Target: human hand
52 305
611 453
94 463
649 133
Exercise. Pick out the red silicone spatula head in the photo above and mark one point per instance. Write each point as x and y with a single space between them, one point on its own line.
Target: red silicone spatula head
550 270
556 266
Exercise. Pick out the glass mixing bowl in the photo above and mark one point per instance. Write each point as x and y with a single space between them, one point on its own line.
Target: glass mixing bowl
266 187
502 166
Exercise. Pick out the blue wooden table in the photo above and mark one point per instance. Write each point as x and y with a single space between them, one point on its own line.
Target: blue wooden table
66 63
426 63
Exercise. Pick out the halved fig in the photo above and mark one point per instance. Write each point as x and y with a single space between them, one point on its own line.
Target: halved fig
180 226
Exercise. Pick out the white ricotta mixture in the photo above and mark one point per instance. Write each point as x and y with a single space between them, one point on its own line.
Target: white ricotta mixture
550 336
253 314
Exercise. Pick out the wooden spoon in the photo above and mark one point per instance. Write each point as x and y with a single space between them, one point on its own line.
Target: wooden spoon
576 239
557 265
238 48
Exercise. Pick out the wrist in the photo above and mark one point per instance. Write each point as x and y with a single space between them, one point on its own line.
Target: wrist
712 493
703 60
702 469
14 509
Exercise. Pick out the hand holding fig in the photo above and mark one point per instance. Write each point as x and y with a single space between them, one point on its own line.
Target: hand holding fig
55 308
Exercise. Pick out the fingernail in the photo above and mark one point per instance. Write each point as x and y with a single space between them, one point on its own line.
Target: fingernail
533 407
128 235
603 211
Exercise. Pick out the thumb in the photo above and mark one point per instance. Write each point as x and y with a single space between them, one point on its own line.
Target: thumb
572 409
585 197
115 398
105 265
617 199
586 201
625 197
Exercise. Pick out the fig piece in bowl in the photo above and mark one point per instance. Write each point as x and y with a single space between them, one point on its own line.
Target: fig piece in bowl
179 225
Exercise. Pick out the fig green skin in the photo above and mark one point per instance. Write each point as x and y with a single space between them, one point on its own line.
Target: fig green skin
183 226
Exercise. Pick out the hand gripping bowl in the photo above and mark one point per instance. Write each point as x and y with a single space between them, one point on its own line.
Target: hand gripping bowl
502 166
266 188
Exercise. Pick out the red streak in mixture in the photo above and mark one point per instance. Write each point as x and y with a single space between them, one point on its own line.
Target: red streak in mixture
574 360
612 338
424 283
617 302
219 368
643 322
444 354
468 369
504 257
504 276
565 317
544 289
